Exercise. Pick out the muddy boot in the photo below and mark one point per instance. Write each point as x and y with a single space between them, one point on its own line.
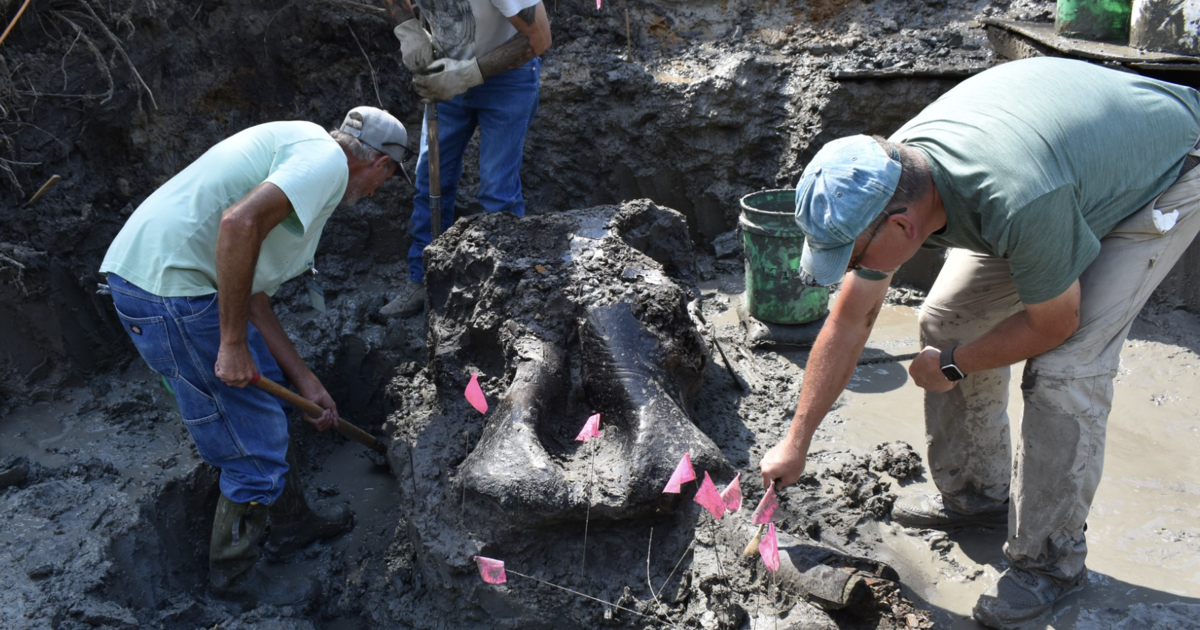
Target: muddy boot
234 572
409 301
295 525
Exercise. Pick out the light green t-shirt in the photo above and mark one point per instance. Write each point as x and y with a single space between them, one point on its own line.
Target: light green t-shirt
168 246
1038 159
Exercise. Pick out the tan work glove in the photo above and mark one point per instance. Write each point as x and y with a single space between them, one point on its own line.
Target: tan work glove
446 78
416 45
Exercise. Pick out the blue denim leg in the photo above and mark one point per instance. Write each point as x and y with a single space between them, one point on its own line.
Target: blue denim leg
503 108
242 431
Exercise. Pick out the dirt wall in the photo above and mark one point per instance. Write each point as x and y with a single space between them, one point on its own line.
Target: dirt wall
691 105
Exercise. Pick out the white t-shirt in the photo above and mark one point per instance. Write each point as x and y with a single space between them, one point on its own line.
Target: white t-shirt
463 29
168 247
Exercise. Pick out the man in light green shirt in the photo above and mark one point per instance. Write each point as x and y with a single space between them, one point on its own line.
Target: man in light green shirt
1066 192
191 273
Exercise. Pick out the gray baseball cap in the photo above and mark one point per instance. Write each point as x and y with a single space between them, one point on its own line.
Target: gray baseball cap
378 130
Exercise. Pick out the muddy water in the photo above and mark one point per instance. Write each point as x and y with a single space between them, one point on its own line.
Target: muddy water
1143 532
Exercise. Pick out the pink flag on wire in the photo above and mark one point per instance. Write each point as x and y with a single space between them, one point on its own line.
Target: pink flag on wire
732 494
591 429
683 474
765 512
769 549
710 498
597 5
492 571
475 395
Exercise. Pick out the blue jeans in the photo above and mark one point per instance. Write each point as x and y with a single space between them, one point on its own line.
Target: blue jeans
502 108
242 431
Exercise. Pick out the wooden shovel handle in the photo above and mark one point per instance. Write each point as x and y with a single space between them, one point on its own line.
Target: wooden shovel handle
314 410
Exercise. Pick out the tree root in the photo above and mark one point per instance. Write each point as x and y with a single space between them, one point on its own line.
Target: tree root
18 274
356 6
101 65
112 38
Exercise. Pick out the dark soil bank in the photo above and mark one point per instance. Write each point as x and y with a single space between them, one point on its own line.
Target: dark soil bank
104 505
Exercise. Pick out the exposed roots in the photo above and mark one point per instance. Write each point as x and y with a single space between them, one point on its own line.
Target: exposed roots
18 272
101 65
374 81
90 15
356 6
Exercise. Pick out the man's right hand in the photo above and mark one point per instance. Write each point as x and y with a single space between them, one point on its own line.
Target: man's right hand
416 45
783 464
235 367
447 78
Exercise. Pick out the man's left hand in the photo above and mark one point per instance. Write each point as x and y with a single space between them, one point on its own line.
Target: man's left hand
446 78
926 371
318 395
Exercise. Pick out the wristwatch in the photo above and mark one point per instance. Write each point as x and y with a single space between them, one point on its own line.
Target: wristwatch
949 369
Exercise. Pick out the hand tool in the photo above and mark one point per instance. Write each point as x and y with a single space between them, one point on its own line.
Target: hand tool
763 514
314 410
435 170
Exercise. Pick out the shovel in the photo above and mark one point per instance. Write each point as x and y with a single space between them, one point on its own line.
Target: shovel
435 171
314 410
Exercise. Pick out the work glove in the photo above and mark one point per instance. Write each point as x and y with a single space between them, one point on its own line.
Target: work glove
446 78
416 45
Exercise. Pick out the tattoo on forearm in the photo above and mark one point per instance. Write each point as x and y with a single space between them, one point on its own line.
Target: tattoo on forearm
506 56
528 15
398 13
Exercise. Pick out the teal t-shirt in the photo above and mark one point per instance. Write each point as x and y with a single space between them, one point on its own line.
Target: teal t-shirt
168 246
1036 160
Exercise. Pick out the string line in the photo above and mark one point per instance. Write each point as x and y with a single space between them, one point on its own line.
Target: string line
585 595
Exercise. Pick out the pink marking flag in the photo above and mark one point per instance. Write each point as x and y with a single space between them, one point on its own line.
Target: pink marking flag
765 512
597 5
591 429
492 571
710 498
475 395
732 494
768 549
683 474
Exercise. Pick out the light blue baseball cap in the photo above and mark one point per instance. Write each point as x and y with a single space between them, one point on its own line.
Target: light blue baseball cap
845 186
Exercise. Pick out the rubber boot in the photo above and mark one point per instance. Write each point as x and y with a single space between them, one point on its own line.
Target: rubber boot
234 572
295 525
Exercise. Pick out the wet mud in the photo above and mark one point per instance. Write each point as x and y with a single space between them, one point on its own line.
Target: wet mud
105 508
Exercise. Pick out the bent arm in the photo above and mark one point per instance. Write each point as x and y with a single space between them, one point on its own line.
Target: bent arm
532 39
1026 334
399 11
244 225
294 368
831 363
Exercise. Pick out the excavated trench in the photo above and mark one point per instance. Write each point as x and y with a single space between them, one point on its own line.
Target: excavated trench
105 504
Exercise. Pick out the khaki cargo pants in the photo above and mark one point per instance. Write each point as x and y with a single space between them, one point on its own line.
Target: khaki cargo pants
1067 391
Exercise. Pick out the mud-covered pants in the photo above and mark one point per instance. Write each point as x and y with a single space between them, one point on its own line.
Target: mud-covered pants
1067 391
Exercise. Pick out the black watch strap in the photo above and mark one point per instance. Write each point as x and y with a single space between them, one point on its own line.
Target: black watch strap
949 369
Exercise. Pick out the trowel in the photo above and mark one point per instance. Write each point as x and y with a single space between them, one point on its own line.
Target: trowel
763 514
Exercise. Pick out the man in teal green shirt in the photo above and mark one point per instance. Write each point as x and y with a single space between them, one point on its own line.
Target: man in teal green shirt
1066 192
191 275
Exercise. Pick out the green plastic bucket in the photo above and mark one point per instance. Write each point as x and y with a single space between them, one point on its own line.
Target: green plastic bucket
1097 20
773 243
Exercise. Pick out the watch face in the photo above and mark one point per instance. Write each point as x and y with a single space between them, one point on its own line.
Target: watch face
952 373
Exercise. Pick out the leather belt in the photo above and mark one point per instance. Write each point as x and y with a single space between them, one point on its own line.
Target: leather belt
1189 163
